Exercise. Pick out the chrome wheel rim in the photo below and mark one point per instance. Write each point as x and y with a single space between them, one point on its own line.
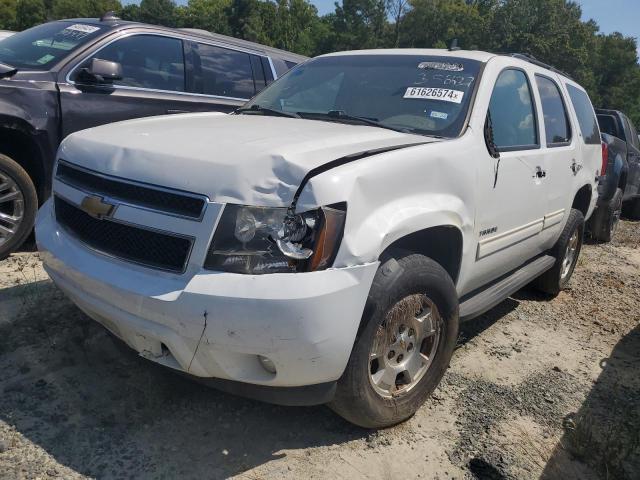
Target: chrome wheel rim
405 346
570 255
11 208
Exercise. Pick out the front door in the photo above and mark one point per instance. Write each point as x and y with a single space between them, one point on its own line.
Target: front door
154 83
511 192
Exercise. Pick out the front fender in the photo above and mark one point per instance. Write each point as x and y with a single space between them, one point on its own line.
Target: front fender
393 221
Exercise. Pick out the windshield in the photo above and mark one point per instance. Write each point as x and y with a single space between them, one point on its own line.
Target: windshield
43 46
429 95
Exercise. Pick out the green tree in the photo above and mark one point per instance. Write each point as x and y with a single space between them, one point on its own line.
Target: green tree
434 23
131 12
29 13
97 8
8 14
70 9
295 26
359 24
158 12
208 15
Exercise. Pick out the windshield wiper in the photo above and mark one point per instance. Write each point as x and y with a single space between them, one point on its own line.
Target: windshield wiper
270 111
339 115
7 70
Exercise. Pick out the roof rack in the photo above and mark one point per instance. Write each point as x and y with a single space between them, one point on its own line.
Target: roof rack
531 59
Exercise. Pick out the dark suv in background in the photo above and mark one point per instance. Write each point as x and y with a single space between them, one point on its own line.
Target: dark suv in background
69 75
619 186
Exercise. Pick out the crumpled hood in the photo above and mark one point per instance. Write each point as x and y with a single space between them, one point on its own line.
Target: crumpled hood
248 159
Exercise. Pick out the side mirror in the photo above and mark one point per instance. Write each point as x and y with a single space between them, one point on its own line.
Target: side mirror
103 71
488 137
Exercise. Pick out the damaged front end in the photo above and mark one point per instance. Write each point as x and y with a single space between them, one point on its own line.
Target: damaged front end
260 240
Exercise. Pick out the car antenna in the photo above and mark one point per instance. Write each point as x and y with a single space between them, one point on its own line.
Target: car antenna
109 16
453 45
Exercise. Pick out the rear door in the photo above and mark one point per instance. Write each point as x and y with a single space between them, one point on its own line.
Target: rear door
561 152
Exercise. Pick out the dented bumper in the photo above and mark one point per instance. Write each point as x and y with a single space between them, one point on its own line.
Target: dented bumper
214 325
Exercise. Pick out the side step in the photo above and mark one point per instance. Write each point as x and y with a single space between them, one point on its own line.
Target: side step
490 297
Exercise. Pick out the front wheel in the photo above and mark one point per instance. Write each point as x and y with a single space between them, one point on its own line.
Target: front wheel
18 205
406 340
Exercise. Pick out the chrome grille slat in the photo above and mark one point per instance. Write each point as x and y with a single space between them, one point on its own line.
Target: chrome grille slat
162 200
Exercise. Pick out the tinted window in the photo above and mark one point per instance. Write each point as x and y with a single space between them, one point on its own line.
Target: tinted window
223 72
41 47
147 62
512 112
634 135
417 93
586 115
608 124
556 122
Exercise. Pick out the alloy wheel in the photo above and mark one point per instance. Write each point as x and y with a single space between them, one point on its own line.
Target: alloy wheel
405 346
11 208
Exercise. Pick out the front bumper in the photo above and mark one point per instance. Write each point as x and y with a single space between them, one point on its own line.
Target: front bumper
212 324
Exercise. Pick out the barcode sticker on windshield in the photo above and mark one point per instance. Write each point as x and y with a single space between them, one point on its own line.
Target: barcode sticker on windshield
81 27
444 94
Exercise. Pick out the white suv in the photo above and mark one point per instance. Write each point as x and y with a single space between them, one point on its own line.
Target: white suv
322 244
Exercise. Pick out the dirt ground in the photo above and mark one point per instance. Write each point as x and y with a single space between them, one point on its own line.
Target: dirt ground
538 388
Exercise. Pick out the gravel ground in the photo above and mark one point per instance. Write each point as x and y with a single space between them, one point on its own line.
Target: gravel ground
538 388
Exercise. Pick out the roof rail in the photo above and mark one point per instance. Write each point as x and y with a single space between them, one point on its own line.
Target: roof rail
531 59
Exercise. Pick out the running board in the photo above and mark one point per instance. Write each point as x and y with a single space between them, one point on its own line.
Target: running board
490 297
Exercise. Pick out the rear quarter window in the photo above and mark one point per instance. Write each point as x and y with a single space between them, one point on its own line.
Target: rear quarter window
586 115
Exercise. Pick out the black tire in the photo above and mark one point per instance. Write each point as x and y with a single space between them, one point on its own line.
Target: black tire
21 230
553 280
605 219
401 275
631 209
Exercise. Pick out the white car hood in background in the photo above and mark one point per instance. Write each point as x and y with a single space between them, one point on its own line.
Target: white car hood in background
247 159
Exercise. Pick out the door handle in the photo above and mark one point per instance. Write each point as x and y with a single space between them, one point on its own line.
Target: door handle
540 173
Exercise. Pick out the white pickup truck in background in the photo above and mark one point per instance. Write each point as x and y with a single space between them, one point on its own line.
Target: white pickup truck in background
322 244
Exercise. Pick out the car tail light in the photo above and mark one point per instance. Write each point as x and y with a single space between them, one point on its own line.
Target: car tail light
605 158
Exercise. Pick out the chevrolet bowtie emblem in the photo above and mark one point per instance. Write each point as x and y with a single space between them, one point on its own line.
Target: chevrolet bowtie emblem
97 206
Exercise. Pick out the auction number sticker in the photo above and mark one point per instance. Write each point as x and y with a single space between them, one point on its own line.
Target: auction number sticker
444 94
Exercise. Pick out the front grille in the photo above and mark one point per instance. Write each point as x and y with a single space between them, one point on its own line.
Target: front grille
171 202
150 248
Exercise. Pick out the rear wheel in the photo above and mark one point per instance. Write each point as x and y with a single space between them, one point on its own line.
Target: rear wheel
18 205
606 218
566 252
631 209
406 341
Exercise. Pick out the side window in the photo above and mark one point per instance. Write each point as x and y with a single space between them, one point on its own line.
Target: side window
635 141
608 124
223 72
586 115
556 122
512 113
147 61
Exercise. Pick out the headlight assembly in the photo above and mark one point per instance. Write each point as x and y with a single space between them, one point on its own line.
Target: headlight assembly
258 240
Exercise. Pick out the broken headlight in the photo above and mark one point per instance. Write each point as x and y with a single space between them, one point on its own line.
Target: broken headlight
258 240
